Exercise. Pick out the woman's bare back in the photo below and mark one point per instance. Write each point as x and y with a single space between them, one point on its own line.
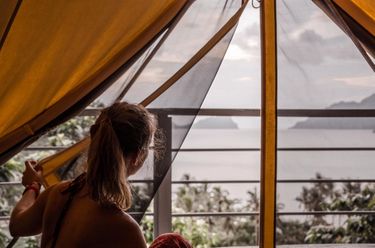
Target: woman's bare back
87 224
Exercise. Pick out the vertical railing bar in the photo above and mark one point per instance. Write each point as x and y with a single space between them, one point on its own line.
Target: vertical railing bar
163 197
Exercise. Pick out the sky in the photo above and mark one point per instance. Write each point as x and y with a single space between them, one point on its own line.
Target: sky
318 65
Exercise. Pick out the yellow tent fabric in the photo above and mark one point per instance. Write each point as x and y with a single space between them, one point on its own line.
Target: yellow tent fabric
58 51
51 164
362 11
7 8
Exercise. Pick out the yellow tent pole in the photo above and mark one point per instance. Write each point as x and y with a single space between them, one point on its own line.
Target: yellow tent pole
268 124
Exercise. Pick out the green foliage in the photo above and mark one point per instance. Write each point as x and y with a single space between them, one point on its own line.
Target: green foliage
202 198
317 198
147 226
231 231
360 229
4 239
321 234
291 231
351 197
70 132
214 231
196 231
28 242
211 231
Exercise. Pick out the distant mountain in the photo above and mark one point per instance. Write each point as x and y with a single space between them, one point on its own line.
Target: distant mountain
216 123
367 103
342 123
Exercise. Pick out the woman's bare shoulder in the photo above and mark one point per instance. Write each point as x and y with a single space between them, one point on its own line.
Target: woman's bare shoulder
125 219
126 222
118 227
133 230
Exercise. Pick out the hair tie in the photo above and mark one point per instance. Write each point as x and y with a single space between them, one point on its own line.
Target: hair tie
105 118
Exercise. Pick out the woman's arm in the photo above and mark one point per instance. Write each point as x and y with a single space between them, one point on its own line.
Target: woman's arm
26 218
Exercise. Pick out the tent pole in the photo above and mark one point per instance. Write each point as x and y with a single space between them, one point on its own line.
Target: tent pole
268 124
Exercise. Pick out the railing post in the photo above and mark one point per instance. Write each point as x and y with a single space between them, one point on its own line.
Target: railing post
163 198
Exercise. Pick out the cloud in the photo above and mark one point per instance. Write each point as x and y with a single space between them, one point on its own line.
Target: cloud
307 35
236 52
309 47
249 36
359 81
245 78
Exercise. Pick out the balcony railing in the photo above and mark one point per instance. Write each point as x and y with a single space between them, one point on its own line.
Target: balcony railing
163 214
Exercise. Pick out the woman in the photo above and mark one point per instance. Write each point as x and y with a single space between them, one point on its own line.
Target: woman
89 212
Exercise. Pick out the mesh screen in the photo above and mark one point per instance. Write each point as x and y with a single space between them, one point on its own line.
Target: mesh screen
318 64
178 106
319 68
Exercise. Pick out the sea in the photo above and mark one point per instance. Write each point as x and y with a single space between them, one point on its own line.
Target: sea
245 165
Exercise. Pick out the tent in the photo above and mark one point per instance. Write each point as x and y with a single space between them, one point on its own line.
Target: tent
56 64
101 54
65 59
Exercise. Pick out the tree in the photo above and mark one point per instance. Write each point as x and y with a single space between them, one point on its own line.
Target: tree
351 197
317 198
214 231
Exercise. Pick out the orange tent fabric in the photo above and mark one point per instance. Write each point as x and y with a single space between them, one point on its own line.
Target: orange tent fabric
362 11
57 52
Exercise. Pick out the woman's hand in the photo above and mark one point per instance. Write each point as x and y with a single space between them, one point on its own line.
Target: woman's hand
32 173
27 216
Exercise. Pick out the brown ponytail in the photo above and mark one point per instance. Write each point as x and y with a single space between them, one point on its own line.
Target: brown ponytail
120 131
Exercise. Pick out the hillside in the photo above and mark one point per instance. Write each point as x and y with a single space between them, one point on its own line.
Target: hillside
342 123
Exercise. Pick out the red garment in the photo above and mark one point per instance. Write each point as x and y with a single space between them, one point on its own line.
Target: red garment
170 240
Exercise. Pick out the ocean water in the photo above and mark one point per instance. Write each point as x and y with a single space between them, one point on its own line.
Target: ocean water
291 164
